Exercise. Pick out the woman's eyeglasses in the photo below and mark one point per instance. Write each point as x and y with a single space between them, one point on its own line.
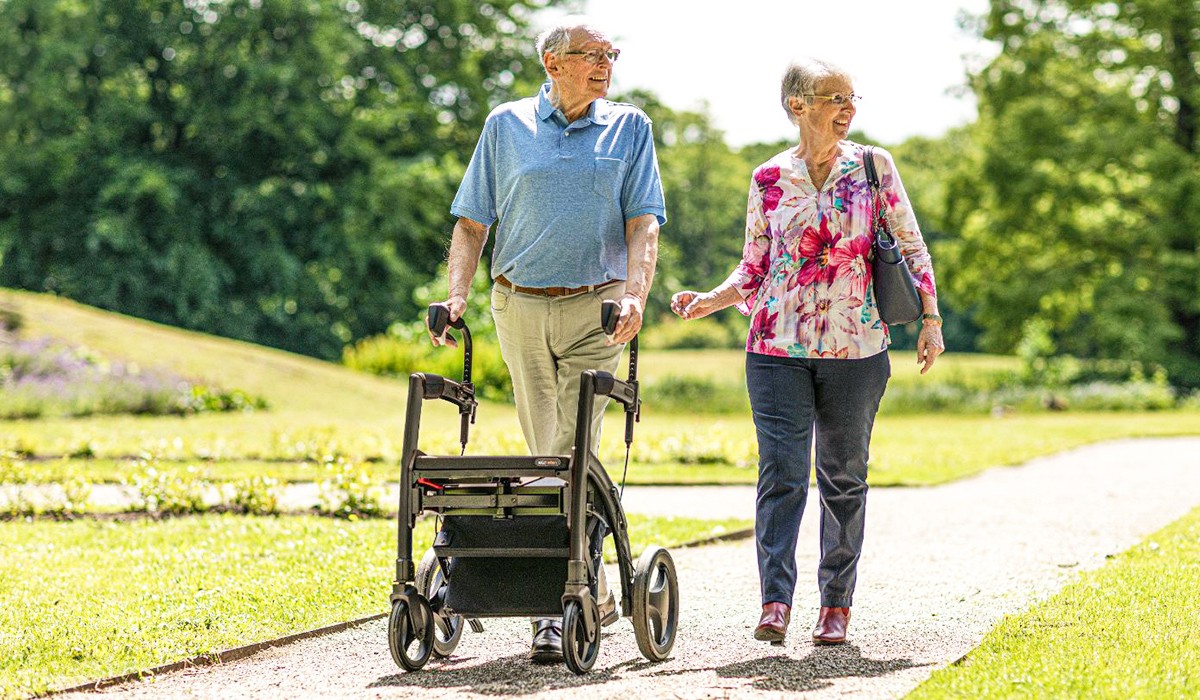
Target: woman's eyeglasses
596 55
836 98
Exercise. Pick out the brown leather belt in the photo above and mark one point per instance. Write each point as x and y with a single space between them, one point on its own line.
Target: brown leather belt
552 291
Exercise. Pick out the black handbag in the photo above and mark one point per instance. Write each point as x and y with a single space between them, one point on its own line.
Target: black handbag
895 289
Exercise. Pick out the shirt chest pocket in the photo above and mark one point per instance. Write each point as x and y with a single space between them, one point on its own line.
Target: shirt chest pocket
608 177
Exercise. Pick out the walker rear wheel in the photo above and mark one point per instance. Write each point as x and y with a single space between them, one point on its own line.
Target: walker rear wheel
655 611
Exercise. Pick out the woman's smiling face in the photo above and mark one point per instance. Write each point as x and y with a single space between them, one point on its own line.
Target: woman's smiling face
824 116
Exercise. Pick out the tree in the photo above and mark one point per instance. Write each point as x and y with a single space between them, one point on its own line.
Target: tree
1085 213
940 176
276 171
705 184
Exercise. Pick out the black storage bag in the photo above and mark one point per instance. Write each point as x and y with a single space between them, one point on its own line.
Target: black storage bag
501 586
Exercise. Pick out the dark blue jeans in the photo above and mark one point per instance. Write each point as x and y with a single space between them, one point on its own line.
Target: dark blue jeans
790 398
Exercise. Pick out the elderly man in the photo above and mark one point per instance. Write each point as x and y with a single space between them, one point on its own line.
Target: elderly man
572 180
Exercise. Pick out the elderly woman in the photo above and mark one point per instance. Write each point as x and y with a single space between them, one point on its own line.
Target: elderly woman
817 350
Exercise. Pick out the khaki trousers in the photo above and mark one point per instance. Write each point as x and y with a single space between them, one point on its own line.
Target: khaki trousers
546 343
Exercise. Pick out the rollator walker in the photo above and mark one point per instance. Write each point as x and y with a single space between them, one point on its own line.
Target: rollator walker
509 545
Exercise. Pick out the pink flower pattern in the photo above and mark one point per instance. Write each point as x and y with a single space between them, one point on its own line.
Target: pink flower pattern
853 264
766 178
816 249
805 274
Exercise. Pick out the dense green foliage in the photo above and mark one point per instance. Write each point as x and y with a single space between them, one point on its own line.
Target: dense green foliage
277 171
1077 202
282 171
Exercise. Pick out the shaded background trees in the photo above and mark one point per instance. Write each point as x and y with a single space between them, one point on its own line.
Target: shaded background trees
273 171
281 171
1080 210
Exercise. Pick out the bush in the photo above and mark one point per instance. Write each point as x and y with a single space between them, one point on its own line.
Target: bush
673 394
1129 396
162 493
389 355
718 447
43 378
257 495
350 491
10 320
908 398
206 399
701 334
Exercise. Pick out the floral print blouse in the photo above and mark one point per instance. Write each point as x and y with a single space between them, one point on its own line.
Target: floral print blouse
805 275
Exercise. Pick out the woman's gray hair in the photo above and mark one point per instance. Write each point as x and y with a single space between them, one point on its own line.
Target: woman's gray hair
801 79
557 38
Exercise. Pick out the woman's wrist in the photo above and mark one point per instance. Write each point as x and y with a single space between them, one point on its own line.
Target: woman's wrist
931 320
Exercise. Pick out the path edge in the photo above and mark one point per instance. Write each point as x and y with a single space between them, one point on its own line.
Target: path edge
215 658
238 653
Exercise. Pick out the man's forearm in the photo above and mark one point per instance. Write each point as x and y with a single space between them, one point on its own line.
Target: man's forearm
466 247
641 236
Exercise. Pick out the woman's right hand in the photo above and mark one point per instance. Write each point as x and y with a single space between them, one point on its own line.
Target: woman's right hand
688 304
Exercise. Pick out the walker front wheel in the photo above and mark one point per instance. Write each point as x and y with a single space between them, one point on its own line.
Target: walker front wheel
447 629
580 651
410 633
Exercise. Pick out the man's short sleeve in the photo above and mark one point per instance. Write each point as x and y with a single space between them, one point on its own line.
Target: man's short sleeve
642 192
476 198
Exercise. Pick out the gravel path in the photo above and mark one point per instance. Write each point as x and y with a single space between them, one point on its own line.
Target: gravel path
942 565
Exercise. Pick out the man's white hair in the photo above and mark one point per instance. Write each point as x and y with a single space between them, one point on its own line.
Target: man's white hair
556 39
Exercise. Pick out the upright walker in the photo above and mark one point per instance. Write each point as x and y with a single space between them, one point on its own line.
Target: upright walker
510 546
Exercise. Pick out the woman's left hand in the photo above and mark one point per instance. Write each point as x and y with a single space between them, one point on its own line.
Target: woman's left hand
929 345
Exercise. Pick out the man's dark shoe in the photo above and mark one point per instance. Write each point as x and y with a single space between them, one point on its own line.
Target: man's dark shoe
772 626
831 626
547 642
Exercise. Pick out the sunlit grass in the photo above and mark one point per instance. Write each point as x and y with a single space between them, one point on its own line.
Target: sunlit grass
674 449
965 369
907 450
1130 629
88 600
320 409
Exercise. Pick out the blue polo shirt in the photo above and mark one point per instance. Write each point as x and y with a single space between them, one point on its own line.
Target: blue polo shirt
561 192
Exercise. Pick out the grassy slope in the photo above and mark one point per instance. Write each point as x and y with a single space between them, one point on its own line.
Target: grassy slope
292 382
311 400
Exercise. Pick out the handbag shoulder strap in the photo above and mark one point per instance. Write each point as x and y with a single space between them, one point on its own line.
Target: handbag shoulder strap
880 226
869 164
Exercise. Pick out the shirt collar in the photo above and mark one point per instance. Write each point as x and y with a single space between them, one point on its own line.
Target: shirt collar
599 112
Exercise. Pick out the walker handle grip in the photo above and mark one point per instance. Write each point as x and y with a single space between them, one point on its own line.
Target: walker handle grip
439 318
610 313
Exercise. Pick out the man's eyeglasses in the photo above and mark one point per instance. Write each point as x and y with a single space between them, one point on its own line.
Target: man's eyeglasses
837 98
595 55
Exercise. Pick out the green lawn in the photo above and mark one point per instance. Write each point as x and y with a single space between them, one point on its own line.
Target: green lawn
88 600
673 449
905 450
965 369
322 409
1129 629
